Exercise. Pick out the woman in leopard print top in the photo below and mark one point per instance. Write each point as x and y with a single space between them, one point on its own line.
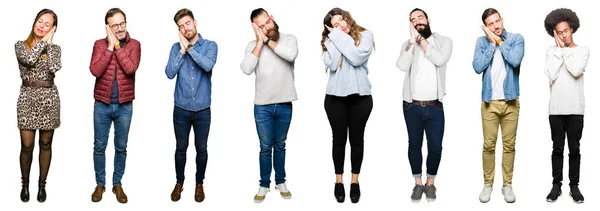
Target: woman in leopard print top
38 107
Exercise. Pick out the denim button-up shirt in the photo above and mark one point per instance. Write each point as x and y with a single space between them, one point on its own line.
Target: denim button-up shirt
193 70
512 49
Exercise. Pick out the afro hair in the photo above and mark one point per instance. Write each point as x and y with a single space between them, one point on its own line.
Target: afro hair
560 15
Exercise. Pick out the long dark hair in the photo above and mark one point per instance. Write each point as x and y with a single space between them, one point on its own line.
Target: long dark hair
30 38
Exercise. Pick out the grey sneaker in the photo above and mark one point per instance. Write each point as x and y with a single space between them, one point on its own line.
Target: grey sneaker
417 193
430 193
509 196
486 193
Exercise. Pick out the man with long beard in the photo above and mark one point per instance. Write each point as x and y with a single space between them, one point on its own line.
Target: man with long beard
191 60
424 57
271 57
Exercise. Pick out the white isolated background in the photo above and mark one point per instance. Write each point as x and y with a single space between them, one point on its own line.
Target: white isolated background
233 170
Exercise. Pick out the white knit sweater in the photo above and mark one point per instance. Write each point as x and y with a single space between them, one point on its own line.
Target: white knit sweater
565 68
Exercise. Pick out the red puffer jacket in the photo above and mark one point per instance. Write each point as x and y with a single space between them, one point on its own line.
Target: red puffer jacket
104 64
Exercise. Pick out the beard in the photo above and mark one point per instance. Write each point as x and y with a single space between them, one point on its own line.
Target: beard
190 34
425 32
120 35
274 32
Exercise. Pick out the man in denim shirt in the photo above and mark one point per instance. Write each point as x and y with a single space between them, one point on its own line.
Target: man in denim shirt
498 56
191 60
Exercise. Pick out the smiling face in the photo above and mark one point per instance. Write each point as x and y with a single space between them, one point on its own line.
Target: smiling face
43 25
421 23
341 23
418 20
118 25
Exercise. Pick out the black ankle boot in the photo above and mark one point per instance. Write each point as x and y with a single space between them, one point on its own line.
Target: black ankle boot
354 192
25 191
41 196
339 192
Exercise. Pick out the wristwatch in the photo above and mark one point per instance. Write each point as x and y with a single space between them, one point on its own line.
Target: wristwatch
267 41
188 47
419 39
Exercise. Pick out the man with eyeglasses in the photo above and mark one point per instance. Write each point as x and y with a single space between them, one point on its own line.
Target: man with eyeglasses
192 60
115 60
271 58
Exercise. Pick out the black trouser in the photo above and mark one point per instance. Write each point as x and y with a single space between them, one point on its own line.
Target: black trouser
572 125
348 115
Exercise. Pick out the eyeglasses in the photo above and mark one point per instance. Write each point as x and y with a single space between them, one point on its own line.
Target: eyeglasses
566 31
116 26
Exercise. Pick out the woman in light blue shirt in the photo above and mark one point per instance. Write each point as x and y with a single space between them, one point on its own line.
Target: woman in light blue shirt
348 103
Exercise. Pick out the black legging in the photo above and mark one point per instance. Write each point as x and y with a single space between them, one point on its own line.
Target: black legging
348 115
27 145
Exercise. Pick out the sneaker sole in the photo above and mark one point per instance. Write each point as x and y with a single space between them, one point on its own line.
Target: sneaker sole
483 201
415 201
552 201
286 197
576 202
430 199
510 202
258 201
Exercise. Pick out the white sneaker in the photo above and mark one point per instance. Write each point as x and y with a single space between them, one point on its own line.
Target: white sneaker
486 193
260 196
509 196
285 193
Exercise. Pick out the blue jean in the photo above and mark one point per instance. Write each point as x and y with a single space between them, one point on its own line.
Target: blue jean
104 116
429 119
183 121
272 124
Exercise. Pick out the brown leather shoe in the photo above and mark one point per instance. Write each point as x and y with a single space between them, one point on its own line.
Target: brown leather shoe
97 194
199 196
176 194
121 196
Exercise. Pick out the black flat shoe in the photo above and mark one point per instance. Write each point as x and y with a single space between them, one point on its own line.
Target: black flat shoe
25 191
339 192
354 192
41 196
